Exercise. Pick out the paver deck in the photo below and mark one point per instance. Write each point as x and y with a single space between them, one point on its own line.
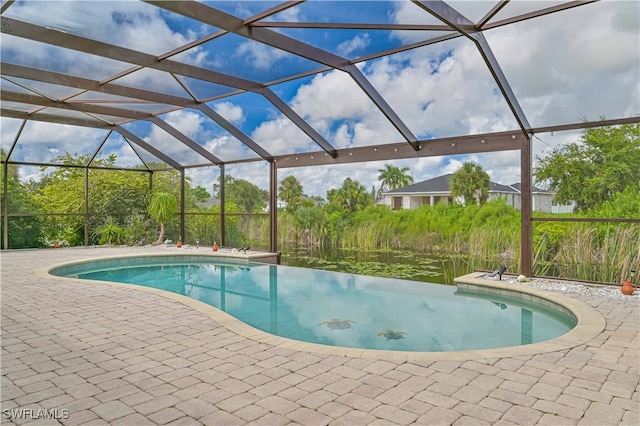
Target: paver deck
87 353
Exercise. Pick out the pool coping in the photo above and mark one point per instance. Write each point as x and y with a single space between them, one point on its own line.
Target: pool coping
590 322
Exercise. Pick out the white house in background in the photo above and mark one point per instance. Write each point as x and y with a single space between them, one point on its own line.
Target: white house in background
438 190
545 201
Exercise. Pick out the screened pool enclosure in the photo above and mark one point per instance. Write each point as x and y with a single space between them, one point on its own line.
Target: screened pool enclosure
179 93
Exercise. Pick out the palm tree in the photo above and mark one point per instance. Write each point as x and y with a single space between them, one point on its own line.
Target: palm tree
470 182
392 177
162 207
352 196
290 189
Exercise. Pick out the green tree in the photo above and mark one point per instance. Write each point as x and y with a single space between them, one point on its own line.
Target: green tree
624 204
61 190
291 192
351 196
392 177
24 231
249 197
605 161
470 182
162 207
196 195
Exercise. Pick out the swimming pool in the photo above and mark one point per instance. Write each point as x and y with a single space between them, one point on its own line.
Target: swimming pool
340 309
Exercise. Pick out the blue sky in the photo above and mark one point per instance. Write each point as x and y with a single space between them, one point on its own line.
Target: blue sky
560 69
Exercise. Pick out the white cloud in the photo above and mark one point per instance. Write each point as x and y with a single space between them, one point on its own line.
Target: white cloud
230 111
346 48
258 55
562 67
41 142
334 99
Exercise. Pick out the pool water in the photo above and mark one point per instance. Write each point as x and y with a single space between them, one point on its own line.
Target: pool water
341 309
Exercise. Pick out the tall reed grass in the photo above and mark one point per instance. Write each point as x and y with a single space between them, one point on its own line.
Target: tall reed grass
586 254
477 237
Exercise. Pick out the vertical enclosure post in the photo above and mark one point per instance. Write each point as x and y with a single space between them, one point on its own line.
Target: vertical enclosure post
222 209
5 205
86 206
5 189
273 208
526 223
182 204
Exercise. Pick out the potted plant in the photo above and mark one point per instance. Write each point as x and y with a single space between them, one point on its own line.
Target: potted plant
628 287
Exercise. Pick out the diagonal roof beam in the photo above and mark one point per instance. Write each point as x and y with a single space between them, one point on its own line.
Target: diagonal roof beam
118 112
106 50
272 11
377 99
147 95
537 13
5 5
30 99
147 147
501 80
56 119
217 18
82 44
297 120
185 140
457 21
53 77
233 130
350 26
493 12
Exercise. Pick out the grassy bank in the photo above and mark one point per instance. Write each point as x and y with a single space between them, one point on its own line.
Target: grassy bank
484 236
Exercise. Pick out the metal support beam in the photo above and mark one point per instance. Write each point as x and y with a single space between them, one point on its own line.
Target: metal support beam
82 44
118 53
489 142
5 205
382 105
222 209
56 119
450 16
185 140
233 130
147 147
182 206
86 107
67 80
5 189
86 206
273 208
298 121
501 80
526 223
211 16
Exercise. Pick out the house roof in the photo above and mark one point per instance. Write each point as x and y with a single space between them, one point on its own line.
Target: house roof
441 184
533 188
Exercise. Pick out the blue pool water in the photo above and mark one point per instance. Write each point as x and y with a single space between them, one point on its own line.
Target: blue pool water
340 309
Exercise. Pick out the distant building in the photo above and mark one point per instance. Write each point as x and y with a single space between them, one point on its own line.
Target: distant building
438 190
545 201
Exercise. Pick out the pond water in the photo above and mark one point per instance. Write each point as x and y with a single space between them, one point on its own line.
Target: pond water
403 264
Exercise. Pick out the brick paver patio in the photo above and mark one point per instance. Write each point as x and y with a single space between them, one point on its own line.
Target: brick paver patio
98 354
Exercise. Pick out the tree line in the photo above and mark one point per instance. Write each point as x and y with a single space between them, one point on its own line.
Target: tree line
600 172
